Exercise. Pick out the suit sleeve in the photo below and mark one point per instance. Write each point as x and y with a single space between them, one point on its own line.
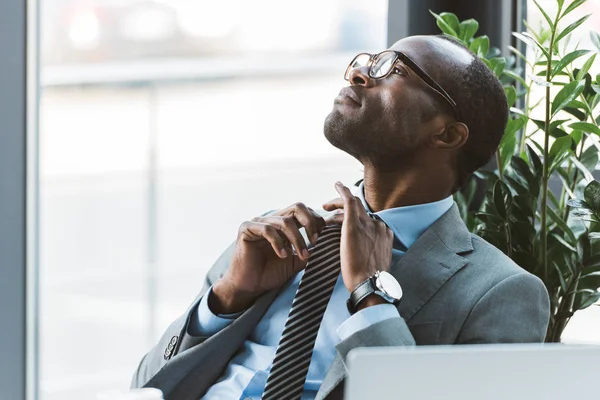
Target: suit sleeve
516 310
179 336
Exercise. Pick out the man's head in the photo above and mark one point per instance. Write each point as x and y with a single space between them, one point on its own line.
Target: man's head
401 121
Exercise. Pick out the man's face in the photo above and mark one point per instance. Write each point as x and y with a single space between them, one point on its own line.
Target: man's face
386 120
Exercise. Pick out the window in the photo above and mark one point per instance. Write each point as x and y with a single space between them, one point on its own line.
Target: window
163 125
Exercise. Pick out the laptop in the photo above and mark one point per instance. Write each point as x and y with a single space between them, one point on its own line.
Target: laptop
474 372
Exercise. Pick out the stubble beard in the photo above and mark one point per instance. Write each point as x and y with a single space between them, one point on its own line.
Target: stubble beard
367 141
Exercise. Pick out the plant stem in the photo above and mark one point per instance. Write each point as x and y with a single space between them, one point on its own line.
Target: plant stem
546 166
568 300
498 162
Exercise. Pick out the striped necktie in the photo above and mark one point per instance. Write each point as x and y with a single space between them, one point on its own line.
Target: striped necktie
294 351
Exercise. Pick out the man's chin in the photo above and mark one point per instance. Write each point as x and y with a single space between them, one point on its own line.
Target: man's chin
338 133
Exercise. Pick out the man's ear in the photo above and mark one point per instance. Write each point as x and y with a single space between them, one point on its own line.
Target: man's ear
453 137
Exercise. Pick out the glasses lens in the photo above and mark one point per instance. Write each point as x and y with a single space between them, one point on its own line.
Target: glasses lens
383 64
359 61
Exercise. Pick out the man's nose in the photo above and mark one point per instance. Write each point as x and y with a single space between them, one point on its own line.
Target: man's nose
360 77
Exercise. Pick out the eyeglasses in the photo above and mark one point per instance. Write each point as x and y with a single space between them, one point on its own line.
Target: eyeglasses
383 64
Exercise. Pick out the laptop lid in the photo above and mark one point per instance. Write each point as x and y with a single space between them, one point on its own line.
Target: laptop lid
491 372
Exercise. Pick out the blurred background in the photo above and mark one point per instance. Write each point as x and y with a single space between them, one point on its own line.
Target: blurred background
163 125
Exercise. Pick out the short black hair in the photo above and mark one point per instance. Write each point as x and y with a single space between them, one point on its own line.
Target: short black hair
484 109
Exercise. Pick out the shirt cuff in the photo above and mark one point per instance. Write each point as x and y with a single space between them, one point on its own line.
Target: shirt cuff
365 318
207 323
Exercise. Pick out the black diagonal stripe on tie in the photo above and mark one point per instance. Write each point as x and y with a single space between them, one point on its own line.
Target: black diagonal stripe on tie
295 373
294 352
315 288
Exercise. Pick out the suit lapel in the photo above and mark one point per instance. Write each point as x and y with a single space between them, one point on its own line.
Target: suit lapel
429 263
189 375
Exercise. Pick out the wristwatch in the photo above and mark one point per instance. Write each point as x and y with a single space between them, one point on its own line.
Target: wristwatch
382 284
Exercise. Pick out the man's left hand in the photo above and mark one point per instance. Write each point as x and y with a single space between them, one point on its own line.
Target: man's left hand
366 244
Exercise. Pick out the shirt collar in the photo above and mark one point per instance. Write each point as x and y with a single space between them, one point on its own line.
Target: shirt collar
409 222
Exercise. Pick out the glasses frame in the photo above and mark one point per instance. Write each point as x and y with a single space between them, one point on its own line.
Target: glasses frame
399 56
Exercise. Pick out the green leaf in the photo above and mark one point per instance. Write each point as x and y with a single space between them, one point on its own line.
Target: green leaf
497 65
447 22
583 248
531 41
511 95
561 224
589 158
561 278
516 77
584 300
559 150
560 4
586 67
564 243
502 198
572 6
553 199
518 186
586 127
480 46
590 262
467 29
580 115
508 144
548 20
514 125
555 124
571 28
567 60
518 53
591 194
582 168
576 135
593 273
489 218
522 169
452 20
595 36
566 95
534 158
576 203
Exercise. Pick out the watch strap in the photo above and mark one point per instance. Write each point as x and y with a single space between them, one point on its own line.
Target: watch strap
358 294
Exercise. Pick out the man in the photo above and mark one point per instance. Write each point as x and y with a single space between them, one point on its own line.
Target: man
420 117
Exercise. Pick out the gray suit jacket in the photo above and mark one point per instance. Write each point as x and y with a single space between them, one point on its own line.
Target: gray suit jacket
457 289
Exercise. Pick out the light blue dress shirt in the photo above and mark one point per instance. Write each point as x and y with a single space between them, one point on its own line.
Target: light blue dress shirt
246 374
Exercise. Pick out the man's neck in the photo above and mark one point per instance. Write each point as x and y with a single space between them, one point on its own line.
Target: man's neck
384 190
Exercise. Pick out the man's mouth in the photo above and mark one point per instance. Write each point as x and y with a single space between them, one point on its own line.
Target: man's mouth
348 95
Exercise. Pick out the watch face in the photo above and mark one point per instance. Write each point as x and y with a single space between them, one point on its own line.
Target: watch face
388 284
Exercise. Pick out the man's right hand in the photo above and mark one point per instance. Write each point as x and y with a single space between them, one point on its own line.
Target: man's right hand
264 258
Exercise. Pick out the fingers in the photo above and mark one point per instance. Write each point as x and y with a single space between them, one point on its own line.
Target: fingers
334 204
309 219
254 230
352 204
287 226
305 217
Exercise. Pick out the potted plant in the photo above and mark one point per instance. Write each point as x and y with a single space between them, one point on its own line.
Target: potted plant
551 140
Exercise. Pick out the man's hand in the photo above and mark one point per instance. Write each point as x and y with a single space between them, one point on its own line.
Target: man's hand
366 245
269 251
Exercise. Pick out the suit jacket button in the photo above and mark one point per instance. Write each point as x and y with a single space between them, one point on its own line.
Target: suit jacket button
174 340
168 353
